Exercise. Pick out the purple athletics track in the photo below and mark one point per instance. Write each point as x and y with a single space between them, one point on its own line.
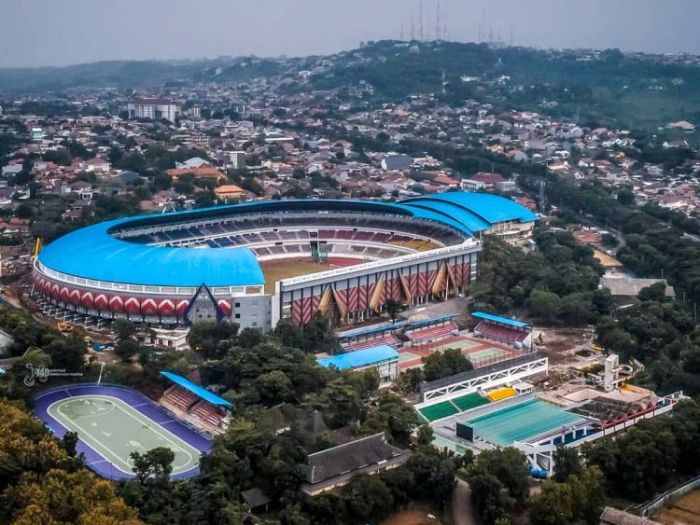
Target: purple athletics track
135 400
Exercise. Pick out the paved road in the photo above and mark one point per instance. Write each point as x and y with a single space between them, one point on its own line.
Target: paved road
462 512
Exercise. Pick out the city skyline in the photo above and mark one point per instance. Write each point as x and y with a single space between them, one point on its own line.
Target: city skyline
81 31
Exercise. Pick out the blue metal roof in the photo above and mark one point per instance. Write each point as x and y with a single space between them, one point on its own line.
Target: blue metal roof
92 253
360 358
370 330
501 320
484 208
199 391
419 323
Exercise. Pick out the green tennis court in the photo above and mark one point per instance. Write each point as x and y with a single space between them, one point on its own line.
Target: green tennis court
490 354
459 345
519 422
114 430
407 356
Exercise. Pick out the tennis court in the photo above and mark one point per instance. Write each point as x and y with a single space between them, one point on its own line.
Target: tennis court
489 354
520 422
112 422
405 356
459 345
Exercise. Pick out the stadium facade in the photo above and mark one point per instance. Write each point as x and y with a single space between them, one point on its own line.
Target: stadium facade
258 262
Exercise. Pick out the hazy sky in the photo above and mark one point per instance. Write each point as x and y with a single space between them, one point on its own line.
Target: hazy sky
60 32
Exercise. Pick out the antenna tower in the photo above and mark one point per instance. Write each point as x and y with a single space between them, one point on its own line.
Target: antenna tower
420 21
437 22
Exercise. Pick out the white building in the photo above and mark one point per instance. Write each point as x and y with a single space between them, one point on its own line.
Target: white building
153 108
237 159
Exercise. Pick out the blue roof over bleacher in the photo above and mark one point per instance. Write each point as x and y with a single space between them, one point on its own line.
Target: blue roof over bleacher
501 320
199 391
420 323
478 211
370 330
360 358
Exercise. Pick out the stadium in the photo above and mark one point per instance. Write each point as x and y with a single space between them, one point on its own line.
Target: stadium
258 262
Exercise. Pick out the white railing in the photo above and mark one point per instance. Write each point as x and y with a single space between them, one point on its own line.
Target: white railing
469 244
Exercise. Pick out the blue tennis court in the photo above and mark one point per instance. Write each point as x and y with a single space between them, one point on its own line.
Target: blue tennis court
520 422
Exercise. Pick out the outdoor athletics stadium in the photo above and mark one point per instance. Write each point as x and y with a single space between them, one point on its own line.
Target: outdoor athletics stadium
258 262
114 421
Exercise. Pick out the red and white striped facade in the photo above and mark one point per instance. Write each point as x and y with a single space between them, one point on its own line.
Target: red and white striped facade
358 292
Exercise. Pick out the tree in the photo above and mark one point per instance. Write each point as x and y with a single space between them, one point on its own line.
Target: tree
545 305
341 402
41 481
367 498
425 435
24 211
150 491
567 462
393 308
126 349
500 482
588 491
443 364
655 292
274 387
491 499
625 197
69 441
153 466
610 240
410 380
68 497
67 353
554 505
433 472
393 416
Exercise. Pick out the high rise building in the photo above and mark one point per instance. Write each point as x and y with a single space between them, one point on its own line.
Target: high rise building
153 108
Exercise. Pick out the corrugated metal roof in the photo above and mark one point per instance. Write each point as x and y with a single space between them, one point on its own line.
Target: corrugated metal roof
498 319
93 253
360 358
488 208
199 391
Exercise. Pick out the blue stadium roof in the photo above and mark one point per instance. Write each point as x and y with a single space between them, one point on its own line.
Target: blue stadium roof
360 358
199 391
478 211
501 320
93 253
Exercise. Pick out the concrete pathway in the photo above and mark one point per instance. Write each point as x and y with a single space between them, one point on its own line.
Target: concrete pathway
462 511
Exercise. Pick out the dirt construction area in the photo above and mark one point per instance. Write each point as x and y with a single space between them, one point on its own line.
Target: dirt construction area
684 511
412 517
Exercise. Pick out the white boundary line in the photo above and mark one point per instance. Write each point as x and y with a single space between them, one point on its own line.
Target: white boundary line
97 444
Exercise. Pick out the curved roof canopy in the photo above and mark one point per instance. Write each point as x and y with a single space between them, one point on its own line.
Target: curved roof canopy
94 253
478 211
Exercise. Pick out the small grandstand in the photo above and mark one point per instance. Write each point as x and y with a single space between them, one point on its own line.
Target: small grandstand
503 329
197 405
